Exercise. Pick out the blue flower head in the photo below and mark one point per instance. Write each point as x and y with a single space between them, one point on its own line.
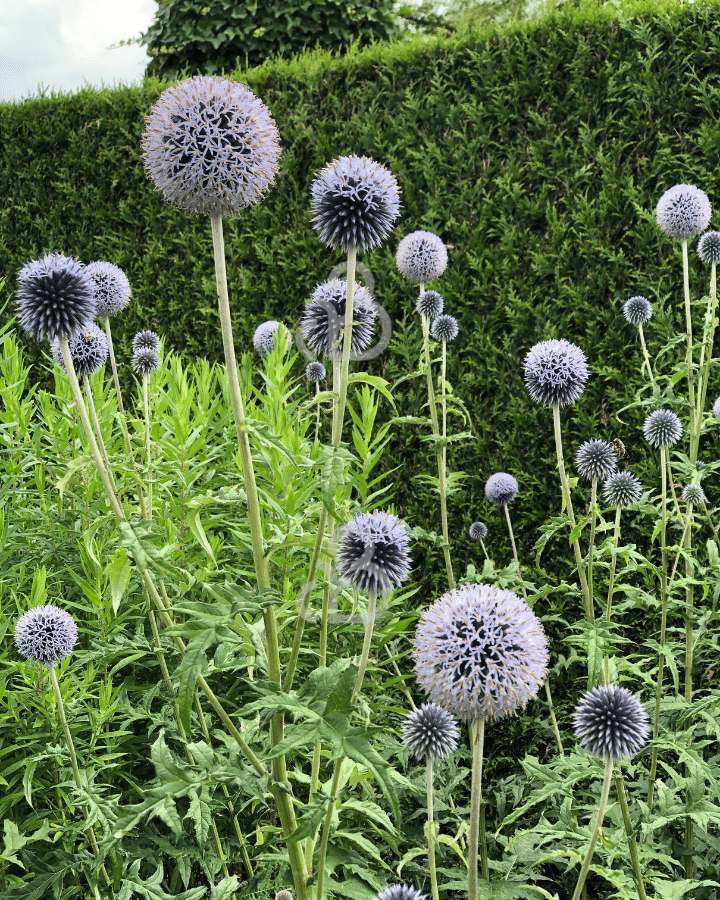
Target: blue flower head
54 297
45 634
373 552
610 722
683 211
110 286
555 372
421 257
88 350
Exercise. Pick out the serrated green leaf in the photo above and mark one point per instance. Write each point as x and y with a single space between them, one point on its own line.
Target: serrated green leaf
193 664
225 889
118 571
200 815
193 520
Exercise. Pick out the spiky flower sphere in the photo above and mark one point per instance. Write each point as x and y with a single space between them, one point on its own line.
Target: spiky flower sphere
45 634
211 146
88 350
430 304
501 488
716 408
264 337
708 247
596 459
662 428
54 297
373 552
555 372
683 211
355 201
444 328
638 310
110 286
622 489
421 257
478 531
146 339
610 722
400 892
693 493
315 371
283 895
145 361
480 652
324 319
430 731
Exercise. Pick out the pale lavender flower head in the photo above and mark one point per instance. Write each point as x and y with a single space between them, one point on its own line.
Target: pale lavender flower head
693 493
430 304
708 247
315 371
323 322
88 350
444 328
501 488
683 211
421 257
555 372
283 895
264 337
662 428
373 552
430 731
145 361
110 286
355 201
54 297
610 722
400 892
480 652
596 459
622 489
716 408
146 338
478 531
45 634
211 146
638 310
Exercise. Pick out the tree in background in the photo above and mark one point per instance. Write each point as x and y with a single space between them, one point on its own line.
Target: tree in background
433 16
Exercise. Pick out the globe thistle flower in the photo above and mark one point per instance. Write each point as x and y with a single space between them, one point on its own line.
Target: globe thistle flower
708 247
693 493
315 371
45 634
555 372
110 286
637 310
88 350
478 531
54 297
373 552
596 459
444 328
421 257
501 488
622 489
211 146
610 722
146 339
700 464
430 731
264 337
662 428
145 361
355 201
716 408
324 319
400 892
480 652
430 304
283 895
683 211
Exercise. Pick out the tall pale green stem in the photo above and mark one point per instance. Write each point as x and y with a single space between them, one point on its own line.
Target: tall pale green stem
645 354
431 827
148 458
475 803
366 645
705 361
96 426
689 354
326 829
347 341
611 587
596 831
629 831
442 471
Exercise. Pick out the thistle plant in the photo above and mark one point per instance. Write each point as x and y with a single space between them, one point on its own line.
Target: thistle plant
638 311
145 362
421 257
315 372
478 532
322 323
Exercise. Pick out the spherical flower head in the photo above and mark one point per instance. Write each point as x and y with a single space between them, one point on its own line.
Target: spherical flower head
110 286
146 339
45 634
283 895
662 428
716 408
430 304
373 552
501 488
638 310
210 146
693 493
622 489
596 459
478 531
708 247
421 257
683 212
555 372
54 297
315 371
145 361
355 201
480 652
264 337
430 731
610 722
444 328
323 322
400 892
88 350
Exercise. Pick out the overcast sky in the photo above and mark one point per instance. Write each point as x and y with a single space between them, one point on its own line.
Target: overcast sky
62 44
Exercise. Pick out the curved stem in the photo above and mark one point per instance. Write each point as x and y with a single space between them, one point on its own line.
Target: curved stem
514 548
645 354
347 345
96 426
431 827
442 471
705 364
689 355
475 802
596 831
632 843
366 645
591 548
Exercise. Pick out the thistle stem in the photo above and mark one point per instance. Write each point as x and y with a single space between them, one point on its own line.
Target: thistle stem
629 831
146 397
689 355
514 548
347 344
366 645
442 467
326 828
431 827
688 523
607 778
475 803
705 363
96 426
611 587
645 354
591 548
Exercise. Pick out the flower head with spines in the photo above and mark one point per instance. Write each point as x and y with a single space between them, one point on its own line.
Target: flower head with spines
444 328
693 493
478 531
145 361
323 322
683 211
264 337
708 247
501 488
88 350
662 428
555 372
430 304
421 257
373 552
54 297
596 459
315 371
430 731
146 338
716 409
622 489
610 722
110 286
46 634
638 310
400 892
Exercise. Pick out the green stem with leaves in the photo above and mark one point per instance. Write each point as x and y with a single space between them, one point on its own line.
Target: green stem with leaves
607 779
